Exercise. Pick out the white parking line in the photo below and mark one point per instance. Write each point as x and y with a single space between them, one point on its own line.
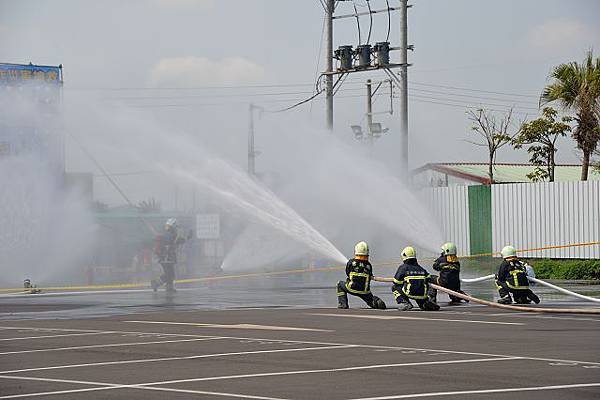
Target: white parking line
327 370
52 336
194 357
108 345
110 386
482 391
152 385
390 317
236 326
306 342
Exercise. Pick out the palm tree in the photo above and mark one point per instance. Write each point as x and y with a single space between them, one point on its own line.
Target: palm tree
577 88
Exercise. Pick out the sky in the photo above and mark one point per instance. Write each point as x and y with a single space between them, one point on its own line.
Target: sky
468 53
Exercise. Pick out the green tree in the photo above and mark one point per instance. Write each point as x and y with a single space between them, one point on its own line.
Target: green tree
576 87
493 131
541 135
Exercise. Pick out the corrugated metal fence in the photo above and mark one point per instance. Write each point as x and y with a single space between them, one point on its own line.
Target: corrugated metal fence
450 206
535 215
526 215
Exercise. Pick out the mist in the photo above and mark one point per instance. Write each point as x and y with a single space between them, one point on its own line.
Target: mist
46 229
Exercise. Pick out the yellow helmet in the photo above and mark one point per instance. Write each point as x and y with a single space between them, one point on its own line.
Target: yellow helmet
508 252
449 249
361 249
409 252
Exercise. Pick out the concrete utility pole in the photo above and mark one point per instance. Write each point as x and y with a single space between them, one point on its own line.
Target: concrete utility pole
251 151
369 112
404 85
329 62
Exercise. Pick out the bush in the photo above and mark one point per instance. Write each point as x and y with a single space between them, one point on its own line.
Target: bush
566 269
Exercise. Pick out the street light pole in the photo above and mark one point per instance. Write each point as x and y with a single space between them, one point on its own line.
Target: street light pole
404 86
329 63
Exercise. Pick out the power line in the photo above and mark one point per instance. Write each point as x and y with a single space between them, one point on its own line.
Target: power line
470 96
472 90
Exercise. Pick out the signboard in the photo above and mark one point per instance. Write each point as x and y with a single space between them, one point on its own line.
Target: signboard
208 226
23 73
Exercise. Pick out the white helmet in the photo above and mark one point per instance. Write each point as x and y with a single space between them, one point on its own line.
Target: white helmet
361 249
449 249
508 252
171 223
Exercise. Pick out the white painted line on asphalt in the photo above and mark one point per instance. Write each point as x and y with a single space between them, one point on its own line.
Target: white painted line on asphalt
194 357
392 317
97 331
482 391
328 370
107 345
221 394
102 386
147 385
111 386
305 342
235 326
52 336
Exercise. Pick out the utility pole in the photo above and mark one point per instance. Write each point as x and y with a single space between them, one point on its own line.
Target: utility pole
329 62
251 151
404 85
369 112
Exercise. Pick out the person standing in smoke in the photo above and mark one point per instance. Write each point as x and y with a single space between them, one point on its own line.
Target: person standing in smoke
449 268
359 273
165 249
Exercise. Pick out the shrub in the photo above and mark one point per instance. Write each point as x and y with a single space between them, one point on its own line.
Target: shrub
566 269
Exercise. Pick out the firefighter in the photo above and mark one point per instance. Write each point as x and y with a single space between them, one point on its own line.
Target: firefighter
512 279
165 249
449 268
412 282
359 273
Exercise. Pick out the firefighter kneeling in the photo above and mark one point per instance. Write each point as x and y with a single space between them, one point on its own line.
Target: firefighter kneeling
412 282
359 273
512 278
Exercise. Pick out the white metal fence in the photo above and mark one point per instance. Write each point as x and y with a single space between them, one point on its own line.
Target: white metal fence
534 215
450 206
527 216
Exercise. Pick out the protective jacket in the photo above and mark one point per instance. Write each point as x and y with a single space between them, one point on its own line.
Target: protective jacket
449 268
166 245
359 274
514 273
412 280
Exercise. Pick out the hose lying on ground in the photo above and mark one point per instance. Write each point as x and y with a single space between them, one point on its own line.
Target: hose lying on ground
565 291
517 308
541 282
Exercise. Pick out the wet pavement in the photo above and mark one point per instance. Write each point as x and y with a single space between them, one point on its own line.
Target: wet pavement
281 337
315 289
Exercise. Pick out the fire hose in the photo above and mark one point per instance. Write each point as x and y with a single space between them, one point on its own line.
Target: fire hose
541 282
595 311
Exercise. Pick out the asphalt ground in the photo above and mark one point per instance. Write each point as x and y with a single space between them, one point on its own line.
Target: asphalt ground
287 341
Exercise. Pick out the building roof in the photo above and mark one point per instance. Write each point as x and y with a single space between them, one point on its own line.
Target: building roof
504 173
